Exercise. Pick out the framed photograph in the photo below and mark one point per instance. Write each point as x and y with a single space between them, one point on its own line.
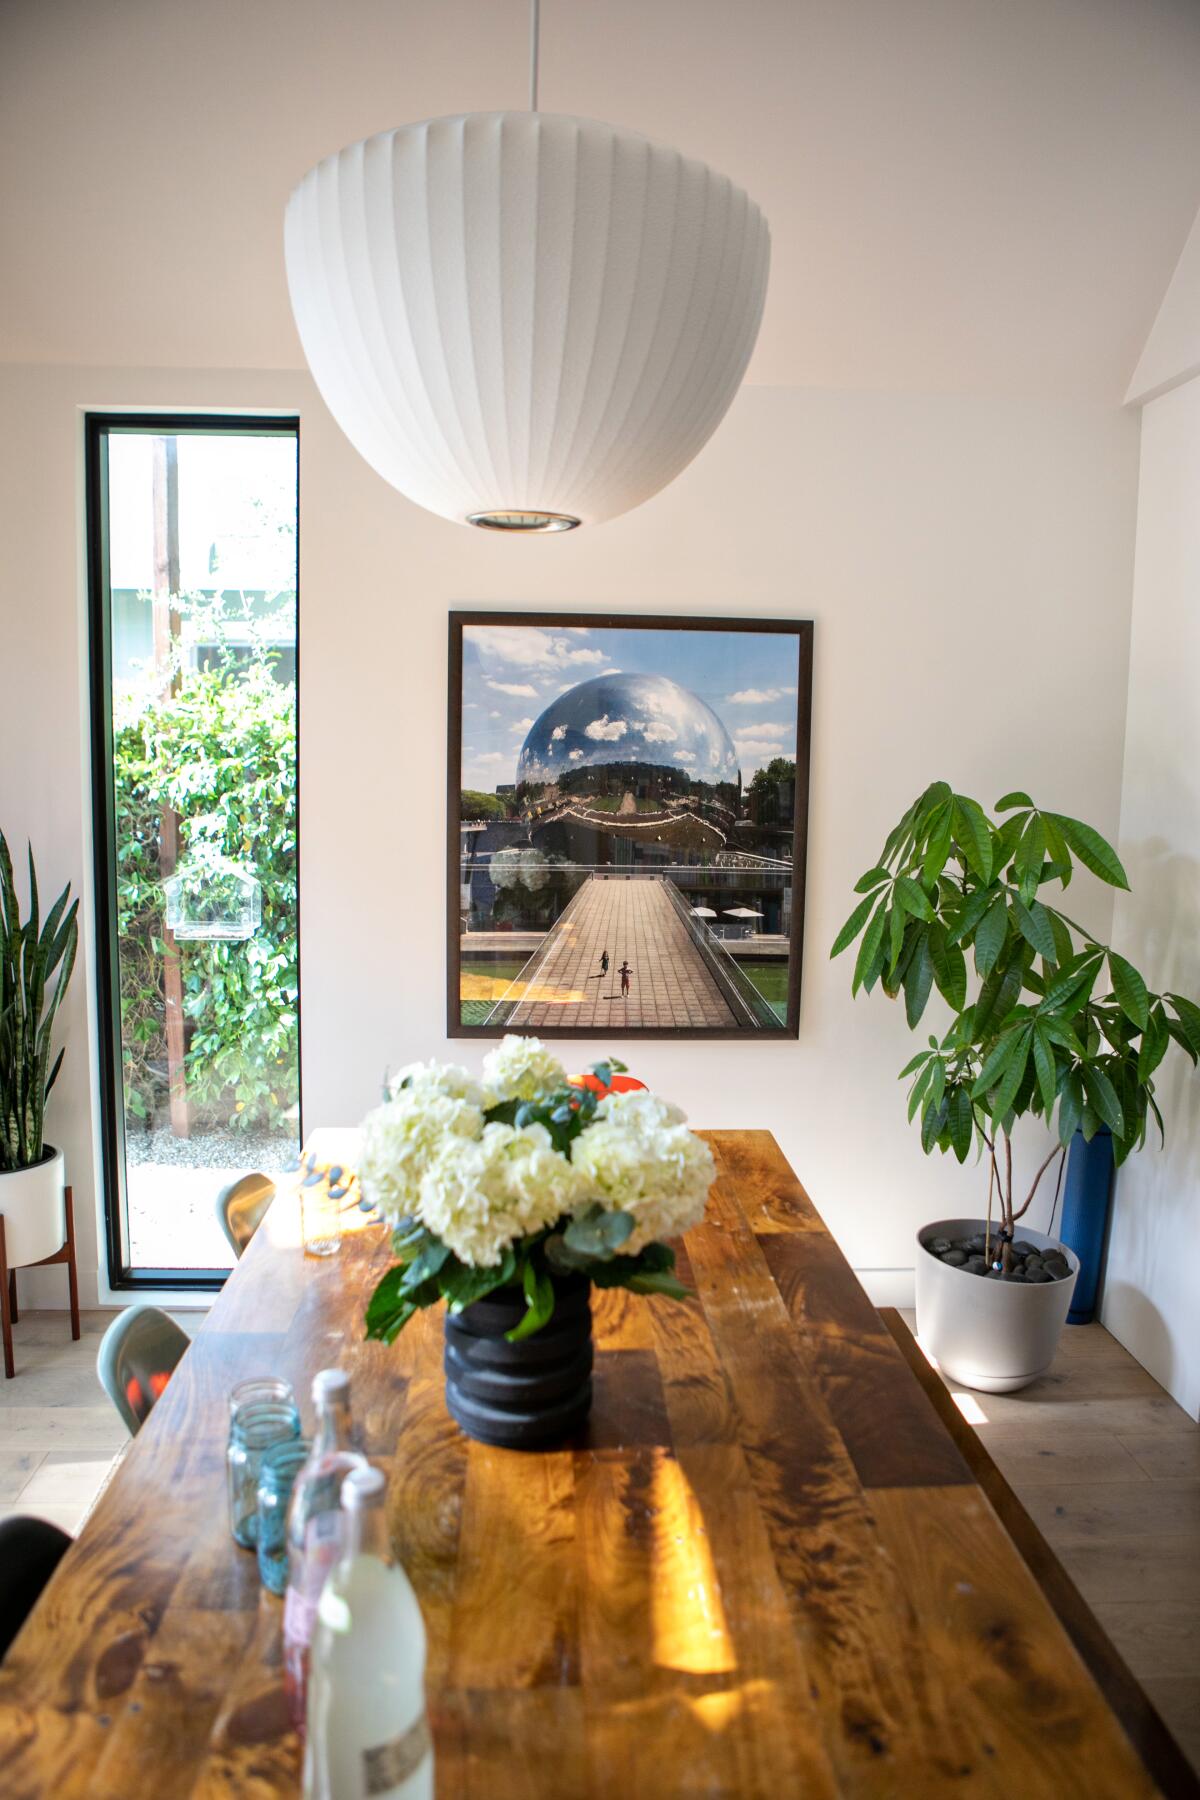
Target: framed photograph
628 813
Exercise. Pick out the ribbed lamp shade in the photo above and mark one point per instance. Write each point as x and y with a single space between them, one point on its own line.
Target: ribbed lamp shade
521 319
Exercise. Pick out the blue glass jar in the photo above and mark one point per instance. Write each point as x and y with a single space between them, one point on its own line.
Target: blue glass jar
277 1476
255 1427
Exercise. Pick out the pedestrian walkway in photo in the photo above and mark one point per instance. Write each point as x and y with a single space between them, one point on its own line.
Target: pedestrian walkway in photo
634 920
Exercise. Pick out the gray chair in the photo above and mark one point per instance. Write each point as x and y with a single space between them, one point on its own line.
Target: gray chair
137 1356
30 1551
241 1207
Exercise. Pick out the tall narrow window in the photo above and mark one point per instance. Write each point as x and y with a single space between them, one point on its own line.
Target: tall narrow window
192 528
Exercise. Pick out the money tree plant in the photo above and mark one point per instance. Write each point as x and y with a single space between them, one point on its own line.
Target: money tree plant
1046 1020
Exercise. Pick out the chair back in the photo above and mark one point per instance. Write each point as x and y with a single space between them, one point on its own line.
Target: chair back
241 1207
30 1551
137 1356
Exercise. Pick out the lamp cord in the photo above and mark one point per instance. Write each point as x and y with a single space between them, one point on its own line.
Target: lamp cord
535 10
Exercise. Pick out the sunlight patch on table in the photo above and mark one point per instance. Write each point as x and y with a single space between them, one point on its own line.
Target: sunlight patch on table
688 1619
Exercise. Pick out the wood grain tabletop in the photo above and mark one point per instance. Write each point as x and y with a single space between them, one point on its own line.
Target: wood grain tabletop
764 1570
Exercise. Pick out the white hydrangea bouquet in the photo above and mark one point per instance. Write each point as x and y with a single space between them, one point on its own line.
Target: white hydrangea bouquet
523 1177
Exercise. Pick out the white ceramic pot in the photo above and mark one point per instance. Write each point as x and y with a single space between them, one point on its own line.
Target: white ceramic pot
991 1335
34 1208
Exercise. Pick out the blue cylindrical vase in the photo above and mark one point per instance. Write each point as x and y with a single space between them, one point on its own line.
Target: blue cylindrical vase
1086 1193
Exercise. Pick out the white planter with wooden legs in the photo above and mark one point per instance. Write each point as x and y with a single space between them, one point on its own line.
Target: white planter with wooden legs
37 1227
992 1335
33 1207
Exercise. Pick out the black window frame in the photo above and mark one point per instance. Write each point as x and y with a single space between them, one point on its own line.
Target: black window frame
98 428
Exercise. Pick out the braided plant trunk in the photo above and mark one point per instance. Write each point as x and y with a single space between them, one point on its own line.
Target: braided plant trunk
36 960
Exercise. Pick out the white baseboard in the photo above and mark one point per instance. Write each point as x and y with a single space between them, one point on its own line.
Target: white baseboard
889 1287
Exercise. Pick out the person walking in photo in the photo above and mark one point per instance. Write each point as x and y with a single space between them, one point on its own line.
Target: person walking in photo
624 972
604 963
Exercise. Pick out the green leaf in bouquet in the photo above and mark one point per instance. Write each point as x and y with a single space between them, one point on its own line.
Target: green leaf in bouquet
409 1238
598 1232
539 1302
503 1113
462 1285
658 1281
651 1271
391 1307
562 1259
429 1261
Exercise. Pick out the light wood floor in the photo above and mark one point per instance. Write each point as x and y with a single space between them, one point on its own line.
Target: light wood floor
1108 1467
60 1435
1104 1461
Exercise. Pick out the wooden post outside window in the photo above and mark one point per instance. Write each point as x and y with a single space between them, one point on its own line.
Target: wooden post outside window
167 634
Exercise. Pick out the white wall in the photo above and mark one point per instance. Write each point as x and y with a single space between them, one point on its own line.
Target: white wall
968 564
1152 1288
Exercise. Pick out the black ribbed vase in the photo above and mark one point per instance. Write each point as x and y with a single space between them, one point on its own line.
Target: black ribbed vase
526 1395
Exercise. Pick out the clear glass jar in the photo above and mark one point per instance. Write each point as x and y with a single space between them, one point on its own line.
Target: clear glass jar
257 1388
255 1427
280 1466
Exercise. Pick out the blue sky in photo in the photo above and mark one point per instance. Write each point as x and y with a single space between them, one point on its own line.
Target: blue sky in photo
511 673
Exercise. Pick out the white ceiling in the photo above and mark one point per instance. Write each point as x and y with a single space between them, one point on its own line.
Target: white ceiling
963 194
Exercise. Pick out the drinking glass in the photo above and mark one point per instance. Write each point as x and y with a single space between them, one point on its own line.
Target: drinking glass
256 1426
320 1217
279 1468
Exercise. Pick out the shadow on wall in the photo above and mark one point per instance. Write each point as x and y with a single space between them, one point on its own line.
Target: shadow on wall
1154 1239
1158 922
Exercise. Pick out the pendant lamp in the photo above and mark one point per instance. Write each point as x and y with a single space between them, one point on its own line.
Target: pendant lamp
524 321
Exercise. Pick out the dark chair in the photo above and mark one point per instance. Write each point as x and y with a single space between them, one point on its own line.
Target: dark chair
30 1551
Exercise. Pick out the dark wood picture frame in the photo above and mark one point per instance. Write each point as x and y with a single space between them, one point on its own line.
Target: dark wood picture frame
802 631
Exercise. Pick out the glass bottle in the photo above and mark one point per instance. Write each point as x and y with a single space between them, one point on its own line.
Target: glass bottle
255 1426
315 1527
368 1733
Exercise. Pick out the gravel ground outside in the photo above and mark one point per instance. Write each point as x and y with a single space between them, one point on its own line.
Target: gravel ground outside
172 1189
241 1150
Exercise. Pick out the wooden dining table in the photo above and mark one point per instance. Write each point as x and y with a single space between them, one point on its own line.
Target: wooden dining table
764 1569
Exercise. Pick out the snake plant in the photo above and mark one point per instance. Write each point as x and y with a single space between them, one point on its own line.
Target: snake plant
30 959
